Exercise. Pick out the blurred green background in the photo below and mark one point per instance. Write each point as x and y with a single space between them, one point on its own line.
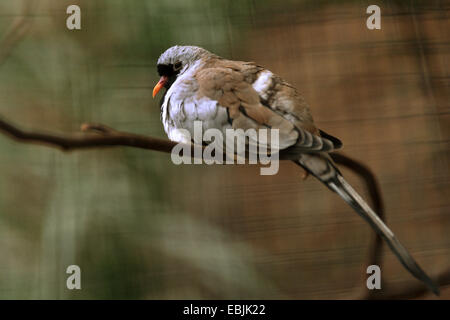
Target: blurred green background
140 227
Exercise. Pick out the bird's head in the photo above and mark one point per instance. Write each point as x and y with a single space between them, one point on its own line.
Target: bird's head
174 62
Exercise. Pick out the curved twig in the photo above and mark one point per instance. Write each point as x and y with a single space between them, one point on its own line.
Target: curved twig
375 253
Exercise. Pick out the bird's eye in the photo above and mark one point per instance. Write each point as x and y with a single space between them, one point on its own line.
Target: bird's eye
177 66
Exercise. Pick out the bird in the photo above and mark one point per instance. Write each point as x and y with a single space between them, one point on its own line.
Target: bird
227 94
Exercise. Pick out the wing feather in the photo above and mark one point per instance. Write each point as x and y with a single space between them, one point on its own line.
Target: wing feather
231 88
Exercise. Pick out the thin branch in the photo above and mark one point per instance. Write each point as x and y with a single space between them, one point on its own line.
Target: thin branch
95 136
375 255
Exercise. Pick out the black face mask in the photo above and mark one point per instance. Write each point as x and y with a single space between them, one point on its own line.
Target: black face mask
170 72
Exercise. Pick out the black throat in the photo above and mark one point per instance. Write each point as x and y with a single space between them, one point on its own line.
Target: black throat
168 71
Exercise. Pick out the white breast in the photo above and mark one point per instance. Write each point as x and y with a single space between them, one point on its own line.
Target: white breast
181 107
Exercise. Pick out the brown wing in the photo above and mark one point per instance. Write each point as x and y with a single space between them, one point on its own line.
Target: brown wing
246 110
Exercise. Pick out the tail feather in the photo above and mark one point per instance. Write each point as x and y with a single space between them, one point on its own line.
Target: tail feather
332 178
341 187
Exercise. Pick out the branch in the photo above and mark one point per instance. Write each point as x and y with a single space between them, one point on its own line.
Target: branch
375 257
96 135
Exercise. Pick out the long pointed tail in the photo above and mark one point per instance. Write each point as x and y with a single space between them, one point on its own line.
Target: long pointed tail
332 178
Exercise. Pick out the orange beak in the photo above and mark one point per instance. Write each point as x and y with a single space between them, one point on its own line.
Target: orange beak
161 83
